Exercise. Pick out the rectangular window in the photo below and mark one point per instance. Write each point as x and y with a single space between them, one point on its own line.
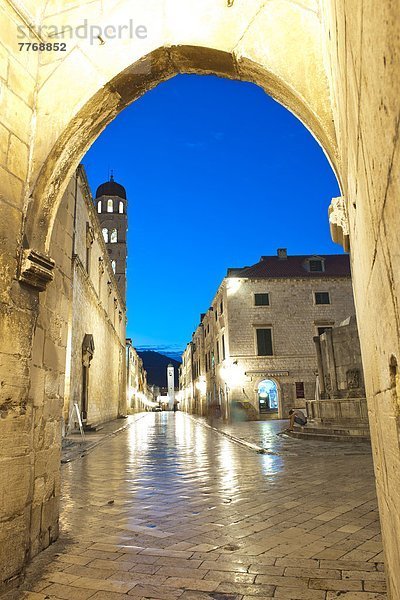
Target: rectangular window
221 308
322 330
261 299
216 313
223 347
300 389
217 352
322 298
88 253
264 342
316 266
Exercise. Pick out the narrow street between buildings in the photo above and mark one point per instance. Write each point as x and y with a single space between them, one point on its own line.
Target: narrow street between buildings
171 509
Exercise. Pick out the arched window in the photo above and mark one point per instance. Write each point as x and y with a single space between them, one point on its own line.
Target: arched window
110 206
99 206
105 235
114 265
121 207
114 236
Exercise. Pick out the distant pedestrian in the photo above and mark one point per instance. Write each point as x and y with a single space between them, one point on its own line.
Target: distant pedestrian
298 417
175 407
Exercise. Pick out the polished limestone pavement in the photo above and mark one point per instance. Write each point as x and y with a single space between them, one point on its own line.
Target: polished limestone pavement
170 509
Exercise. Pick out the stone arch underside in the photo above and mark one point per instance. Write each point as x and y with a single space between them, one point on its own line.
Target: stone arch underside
279 48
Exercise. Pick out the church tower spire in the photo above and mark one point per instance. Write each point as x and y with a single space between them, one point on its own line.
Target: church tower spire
112 204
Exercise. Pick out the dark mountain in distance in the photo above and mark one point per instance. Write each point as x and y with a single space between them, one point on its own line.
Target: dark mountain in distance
156 365
174 352
175 355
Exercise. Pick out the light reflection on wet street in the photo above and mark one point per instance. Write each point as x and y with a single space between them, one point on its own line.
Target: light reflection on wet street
171 509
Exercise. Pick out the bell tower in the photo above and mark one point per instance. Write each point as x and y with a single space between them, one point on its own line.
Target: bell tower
111 206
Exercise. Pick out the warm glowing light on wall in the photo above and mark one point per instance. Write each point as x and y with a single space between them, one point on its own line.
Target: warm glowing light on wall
201 385
232 286
231 373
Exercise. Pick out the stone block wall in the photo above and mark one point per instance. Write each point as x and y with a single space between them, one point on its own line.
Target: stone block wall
106 374
97 309
18 309
294 318
363 64
292 313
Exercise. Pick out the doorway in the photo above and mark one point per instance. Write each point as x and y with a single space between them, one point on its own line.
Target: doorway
268 397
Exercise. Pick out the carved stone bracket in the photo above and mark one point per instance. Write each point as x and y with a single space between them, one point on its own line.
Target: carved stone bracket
37 270
89 235
339 223
87 349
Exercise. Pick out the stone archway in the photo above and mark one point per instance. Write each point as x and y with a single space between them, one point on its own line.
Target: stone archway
125 88
335 66
268 397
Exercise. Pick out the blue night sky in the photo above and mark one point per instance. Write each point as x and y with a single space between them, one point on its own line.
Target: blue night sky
217 174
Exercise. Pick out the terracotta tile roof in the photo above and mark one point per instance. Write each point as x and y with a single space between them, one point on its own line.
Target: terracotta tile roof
335 265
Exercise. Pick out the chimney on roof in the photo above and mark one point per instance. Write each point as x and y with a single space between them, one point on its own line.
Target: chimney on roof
282 253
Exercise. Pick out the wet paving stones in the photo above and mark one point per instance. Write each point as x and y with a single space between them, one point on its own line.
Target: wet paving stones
170 509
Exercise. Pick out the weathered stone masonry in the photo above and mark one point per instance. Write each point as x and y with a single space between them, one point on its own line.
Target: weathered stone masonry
335 64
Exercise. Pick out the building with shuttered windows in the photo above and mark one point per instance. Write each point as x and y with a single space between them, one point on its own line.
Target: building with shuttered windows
253 349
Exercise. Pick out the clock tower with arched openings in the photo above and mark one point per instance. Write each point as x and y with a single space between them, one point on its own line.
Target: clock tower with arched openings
111 206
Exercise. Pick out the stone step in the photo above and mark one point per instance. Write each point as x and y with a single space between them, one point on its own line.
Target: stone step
343 424
335 435
334 428
92 428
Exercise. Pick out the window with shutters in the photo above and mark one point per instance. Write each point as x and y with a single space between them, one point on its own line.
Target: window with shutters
264 342
300 389
322 298
261 299
316 266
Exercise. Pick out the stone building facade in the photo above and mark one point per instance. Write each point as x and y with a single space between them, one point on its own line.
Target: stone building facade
80 324
254 347
95 371
139 394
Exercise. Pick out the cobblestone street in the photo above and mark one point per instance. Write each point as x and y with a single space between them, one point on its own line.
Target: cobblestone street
171 509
